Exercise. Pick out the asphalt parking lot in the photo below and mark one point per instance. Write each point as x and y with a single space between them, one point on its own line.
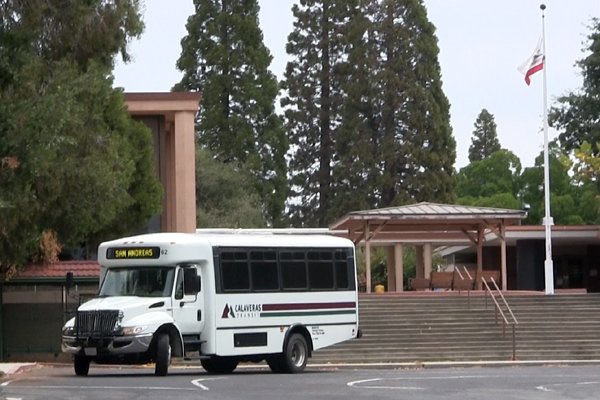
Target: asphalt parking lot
252 383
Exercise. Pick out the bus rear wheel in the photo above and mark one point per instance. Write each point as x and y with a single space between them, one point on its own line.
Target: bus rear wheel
219 365
295 355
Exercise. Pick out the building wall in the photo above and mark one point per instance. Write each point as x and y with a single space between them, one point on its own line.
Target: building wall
32 318
575 266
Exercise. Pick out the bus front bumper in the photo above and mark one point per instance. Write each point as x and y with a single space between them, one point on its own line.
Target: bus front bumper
106 346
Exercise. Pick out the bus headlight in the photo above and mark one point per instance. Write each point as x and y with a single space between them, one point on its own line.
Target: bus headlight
133 330
68 330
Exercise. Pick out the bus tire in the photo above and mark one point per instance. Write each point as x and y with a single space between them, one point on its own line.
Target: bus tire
295 355
163 355
219 365
81 365
276 363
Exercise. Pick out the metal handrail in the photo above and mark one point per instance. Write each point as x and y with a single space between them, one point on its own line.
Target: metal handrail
462 278
459 274
505 302
467 272
499 309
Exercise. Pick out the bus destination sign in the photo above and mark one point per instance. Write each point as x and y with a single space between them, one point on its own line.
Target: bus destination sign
124 253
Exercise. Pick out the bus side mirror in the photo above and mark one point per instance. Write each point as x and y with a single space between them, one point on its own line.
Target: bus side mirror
191 281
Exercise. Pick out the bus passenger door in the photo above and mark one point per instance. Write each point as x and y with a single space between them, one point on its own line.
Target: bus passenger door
188 304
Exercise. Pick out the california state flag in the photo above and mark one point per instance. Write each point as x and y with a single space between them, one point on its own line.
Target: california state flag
533 64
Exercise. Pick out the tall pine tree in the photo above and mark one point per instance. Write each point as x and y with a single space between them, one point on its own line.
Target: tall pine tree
312 105
354 173
485 138
224 57
417 150
367 117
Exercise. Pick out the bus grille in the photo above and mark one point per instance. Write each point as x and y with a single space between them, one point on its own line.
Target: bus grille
96 323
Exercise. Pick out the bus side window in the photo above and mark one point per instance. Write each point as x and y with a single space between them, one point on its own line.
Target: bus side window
320 270
263 270
293 270
341 270
179 286
191 281
234 271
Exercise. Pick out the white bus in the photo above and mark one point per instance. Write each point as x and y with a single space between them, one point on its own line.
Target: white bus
221 298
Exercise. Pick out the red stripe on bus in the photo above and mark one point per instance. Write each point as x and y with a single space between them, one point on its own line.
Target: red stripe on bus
307 306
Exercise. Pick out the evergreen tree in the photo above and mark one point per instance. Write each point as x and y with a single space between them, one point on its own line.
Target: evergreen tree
312 105
225 194
224 57
77 30
364 108
565 210
577 113
354 171
416 143
490 182
485 139
73 165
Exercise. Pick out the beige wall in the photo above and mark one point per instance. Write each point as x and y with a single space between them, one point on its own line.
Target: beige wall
171 117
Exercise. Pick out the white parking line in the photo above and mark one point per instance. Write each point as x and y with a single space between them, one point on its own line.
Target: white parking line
368 386
369 383
546 388
196 382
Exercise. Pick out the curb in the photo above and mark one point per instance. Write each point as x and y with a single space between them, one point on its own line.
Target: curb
455 364
24 367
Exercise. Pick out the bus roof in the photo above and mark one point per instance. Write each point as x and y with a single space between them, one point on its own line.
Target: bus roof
235 238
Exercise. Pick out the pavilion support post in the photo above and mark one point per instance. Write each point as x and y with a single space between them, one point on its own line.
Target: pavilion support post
478 284
399 267
367 259
419 269
391 269
427 263
503 256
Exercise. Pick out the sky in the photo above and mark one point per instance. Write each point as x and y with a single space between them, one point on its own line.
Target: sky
482 43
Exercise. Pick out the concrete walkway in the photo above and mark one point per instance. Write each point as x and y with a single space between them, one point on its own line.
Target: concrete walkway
14 368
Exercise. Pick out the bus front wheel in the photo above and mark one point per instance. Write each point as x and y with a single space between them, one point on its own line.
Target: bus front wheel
163 355
81 364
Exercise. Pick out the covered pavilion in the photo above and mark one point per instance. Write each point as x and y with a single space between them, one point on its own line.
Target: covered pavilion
425 225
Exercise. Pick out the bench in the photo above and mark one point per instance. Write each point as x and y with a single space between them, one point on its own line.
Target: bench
462 281
487 276
419 284
441 280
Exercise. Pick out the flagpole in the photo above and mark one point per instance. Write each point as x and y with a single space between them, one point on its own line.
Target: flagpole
548 222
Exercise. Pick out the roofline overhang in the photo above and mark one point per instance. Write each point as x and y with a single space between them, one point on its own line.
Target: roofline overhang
48 279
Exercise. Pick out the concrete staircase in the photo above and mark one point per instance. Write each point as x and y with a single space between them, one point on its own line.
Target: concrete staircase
453 327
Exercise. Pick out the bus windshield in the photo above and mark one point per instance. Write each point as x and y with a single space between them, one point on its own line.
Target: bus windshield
138 281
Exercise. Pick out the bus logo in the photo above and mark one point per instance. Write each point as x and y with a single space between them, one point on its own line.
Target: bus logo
242 311
228 312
